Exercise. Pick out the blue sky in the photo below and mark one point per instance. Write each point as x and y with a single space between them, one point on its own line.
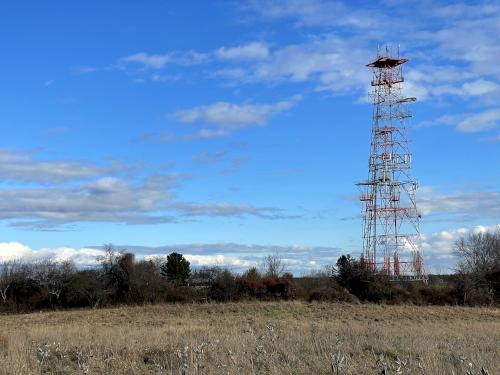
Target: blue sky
230 130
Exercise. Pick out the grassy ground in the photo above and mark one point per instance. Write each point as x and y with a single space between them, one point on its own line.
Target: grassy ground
253 338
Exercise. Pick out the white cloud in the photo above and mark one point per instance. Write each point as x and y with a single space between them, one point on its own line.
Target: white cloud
455 45
472 38
17 251
225 209
426 83
439 247
147 60
162 78
250 51
160 61
461 206
468 122
227 117
480 121
238 257
113 199
20 166
321 60
13 251
314 13
107 199
207 134
52 194
220 260
232 116
480 87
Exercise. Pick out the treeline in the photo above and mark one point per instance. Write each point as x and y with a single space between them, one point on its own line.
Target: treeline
121 279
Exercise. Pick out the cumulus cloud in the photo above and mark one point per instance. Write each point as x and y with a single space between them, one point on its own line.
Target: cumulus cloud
468 122
106 199
480 87
461 30
25 167
472 38
459 39
438 82
159 61
12 251
460 206
238 257
320 61
220 260
313 13
147 60
207 134
227 117
113 200
230 210
250 51
233 116
480 121
56 194
439 247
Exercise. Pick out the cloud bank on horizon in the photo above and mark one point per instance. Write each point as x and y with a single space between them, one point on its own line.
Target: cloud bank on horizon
304 260
248 125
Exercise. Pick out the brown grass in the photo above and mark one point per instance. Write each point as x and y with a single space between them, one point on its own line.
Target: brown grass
253 338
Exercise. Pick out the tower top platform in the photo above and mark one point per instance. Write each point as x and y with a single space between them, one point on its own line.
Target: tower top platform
386 62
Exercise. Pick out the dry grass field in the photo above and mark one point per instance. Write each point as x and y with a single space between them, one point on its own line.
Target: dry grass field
253 338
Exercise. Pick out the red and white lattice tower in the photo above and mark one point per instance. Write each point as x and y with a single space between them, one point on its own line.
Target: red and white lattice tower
390 217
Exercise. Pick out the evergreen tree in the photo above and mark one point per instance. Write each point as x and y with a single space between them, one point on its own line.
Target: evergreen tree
176 269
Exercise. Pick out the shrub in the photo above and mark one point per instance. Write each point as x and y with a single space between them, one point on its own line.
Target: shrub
224 286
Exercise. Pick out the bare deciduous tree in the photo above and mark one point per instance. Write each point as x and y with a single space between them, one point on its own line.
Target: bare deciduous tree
8 271
52 275
479 262
273 266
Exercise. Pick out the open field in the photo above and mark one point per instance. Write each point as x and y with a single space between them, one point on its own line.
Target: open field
253 338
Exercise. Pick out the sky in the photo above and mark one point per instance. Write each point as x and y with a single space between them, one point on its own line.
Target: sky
232 130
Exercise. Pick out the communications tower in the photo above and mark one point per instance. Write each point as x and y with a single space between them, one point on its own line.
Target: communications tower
391 233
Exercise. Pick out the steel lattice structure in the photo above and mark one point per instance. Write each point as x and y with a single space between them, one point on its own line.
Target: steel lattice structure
390 217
